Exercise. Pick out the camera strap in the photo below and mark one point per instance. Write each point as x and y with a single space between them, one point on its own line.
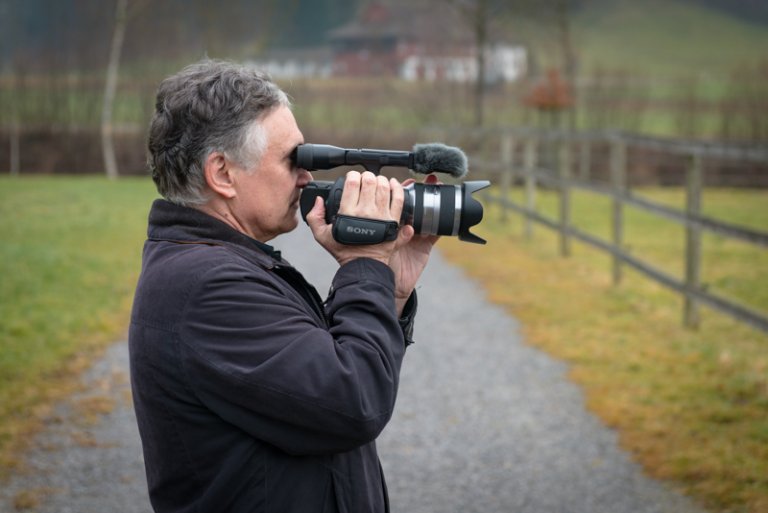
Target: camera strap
353 231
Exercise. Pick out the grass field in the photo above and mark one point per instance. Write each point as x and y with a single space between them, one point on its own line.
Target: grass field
691 406
69 261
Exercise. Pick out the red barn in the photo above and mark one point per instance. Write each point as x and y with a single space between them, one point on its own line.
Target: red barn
416 43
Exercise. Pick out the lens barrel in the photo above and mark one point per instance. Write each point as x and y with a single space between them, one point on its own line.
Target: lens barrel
444 209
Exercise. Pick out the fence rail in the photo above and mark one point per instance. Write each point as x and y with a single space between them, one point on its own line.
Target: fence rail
561 180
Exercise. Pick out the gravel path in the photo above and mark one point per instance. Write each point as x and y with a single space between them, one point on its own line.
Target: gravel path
483 423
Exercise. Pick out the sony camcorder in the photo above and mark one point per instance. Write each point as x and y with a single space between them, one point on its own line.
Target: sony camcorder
430 209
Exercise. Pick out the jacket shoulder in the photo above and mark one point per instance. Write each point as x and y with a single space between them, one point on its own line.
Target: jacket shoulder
172 272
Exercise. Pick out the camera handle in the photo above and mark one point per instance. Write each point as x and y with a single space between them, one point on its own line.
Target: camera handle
347 230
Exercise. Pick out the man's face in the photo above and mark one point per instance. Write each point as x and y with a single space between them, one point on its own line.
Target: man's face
267 198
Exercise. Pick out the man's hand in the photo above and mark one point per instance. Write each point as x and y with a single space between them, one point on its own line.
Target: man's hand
368 196
374 197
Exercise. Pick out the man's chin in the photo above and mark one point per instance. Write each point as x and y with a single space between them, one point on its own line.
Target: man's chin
294 222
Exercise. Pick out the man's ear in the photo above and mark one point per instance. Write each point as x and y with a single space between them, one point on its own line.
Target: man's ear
219 175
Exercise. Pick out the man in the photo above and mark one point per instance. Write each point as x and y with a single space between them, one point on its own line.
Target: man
251 393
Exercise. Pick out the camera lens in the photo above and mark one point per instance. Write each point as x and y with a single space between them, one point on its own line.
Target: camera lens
444 209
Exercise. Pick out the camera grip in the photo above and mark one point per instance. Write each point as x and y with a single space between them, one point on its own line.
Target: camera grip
310 193
355 231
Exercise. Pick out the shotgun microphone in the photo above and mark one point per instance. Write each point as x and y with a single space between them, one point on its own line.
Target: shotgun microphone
424 159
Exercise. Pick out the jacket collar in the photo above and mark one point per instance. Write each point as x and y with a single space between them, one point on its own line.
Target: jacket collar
171 222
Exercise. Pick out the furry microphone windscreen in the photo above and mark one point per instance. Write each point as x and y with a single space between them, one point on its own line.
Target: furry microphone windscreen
437 157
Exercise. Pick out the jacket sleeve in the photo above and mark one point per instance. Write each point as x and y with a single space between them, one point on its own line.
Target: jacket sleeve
256 357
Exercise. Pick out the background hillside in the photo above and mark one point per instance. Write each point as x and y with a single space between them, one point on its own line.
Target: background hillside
670 37
662 38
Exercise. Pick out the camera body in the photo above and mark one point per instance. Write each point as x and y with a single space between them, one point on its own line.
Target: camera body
431 209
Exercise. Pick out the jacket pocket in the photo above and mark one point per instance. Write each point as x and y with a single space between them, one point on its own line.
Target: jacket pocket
296 484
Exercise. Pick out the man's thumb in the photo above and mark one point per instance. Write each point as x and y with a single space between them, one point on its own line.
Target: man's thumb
316 216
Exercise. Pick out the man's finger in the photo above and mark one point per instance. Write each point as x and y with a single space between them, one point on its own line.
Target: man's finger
397 198
350 196
367 199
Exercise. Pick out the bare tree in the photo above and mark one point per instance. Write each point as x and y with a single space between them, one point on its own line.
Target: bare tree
476 14
110 88
483 15
123 13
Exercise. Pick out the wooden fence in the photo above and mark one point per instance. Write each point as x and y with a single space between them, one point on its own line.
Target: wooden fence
518 163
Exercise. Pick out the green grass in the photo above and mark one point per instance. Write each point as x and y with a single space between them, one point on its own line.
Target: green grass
45 104
69 260
691 406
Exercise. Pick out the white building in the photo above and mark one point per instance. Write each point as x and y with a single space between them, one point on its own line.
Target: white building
502 64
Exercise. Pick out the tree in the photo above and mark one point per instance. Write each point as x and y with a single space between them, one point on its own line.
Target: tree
476 14
110 88
484 17
552 20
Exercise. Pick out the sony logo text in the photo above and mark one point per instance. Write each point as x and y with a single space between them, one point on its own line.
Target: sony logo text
360 231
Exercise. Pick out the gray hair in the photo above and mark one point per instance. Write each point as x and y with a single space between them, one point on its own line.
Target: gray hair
207 107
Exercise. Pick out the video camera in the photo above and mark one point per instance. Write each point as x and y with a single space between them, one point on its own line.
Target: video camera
430 209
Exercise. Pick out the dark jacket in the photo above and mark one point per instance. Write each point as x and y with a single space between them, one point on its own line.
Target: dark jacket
251 394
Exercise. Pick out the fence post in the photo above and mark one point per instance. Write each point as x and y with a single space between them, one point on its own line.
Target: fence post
564 174
507 171
694 181
619 183
529 167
